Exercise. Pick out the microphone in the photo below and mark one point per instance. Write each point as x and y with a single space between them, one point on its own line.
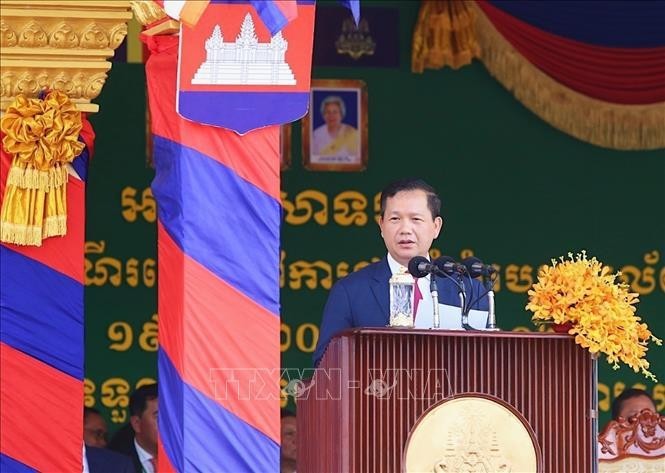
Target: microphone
476 268
452 270
419 267
447 265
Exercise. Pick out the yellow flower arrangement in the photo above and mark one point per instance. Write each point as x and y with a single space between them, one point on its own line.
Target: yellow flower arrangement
600 310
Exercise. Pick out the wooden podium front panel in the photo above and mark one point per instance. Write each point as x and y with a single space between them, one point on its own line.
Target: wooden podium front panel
388 378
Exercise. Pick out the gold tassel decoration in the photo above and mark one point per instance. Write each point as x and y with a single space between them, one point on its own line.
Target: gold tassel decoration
42 136
605 124
444 35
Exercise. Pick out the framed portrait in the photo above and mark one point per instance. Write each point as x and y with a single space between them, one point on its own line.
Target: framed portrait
334 132
285 147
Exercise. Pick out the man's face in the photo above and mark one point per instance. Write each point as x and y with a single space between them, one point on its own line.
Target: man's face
635 405
94 430
145 427
332 114
289 438
407 226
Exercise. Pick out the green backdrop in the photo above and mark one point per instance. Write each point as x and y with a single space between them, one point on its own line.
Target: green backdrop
516 192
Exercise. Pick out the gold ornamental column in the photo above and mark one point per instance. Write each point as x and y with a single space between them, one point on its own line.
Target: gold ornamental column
59 45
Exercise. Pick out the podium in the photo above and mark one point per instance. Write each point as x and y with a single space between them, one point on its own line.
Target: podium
374 388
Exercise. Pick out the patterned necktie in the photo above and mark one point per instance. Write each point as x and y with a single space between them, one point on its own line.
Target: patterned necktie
417 297
153 461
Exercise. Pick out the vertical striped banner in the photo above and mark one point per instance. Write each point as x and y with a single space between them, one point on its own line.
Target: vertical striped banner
218 296
41 340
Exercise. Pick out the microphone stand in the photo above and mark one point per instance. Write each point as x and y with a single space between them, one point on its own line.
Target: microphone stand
491 316
435 300
466 308
463 305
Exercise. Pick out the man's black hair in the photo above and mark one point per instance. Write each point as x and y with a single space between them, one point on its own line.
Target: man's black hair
138 402
412 184
90 410
623 397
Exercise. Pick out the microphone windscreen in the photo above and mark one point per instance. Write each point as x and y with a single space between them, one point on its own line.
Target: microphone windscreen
442 261
414 270
474 266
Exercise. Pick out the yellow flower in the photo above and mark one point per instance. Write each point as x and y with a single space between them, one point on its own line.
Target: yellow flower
601 310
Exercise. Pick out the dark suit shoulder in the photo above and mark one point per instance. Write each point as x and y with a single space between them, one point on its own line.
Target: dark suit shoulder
101 460
367 273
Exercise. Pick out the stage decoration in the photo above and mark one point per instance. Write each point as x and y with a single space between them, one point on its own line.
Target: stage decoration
62 47
59 45
634 444
42 335
471 433
595 76
42 136
600 310
355 40
444 36
209 414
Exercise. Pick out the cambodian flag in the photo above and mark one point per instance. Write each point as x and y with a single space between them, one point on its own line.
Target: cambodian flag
234 73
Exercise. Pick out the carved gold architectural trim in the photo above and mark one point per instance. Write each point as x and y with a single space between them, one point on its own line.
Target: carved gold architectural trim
154 18
147 11
59 44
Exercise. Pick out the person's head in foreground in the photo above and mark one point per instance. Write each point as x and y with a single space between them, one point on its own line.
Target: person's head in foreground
630 403
143 412
94 428
288 450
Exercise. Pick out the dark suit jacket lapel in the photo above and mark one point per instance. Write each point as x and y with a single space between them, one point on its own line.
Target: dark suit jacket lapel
379 284
136 460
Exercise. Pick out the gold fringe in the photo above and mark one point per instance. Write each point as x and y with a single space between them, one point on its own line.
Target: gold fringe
31 178
624 127
444 35
54 226
19 234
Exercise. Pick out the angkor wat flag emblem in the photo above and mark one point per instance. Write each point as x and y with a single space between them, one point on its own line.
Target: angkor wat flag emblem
233 73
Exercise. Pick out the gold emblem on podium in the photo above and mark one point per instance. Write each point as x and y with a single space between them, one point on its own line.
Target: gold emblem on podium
470 434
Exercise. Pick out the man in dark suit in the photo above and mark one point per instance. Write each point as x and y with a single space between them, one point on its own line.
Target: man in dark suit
138 440
410 221
101 460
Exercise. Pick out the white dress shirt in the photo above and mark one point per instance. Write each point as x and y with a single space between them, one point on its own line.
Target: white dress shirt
450 317
144 457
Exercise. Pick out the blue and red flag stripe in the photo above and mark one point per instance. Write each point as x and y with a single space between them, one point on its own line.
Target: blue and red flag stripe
204 293
219 215
41 339
275 14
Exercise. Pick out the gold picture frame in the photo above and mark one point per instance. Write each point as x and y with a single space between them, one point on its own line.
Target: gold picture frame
334 133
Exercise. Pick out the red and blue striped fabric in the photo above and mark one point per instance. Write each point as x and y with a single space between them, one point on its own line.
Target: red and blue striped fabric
218 249
41 340
609 51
